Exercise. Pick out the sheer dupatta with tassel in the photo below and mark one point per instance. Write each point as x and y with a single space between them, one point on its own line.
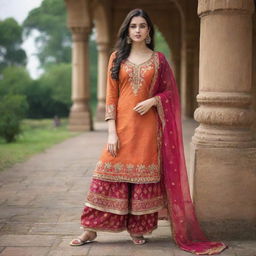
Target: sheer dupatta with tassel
186 230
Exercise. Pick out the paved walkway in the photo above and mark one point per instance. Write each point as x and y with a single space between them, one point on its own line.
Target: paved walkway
42 199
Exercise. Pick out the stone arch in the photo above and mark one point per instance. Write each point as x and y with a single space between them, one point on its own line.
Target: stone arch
100 20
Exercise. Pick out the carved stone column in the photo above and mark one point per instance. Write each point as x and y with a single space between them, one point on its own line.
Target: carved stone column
102 79
223 148
80 118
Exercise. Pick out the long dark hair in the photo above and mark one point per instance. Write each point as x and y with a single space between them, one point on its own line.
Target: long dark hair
121 47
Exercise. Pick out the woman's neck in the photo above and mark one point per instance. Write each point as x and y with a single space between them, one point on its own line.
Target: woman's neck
139 48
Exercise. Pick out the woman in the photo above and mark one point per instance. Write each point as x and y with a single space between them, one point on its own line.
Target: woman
143 164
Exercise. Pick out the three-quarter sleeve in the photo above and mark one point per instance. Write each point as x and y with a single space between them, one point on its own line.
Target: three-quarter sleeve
111 93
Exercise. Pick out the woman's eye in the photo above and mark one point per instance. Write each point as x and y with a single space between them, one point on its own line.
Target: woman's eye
141 26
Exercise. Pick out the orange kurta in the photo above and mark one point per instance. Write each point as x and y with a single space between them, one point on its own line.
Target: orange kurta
138 159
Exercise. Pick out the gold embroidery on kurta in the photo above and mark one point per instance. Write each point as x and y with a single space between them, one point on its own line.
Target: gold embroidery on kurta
160 110
156 63
110 112
138 173
137 72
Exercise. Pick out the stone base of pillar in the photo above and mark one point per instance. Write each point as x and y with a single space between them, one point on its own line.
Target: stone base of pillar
80 117
224 190
100 112
80 121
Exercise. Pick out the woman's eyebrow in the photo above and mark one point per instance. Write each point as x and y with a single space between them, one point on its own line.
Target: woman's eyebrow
139 23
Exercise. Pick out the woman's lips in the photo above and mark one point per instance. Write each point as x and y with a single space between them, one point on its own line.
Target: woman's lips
138 36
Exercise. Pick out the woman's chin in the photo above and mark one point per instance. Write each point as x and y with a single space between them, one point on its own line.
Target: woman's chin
136 40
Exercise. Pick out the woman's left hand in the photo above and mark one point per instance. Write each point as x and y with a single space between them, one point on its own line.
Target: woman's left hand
143 106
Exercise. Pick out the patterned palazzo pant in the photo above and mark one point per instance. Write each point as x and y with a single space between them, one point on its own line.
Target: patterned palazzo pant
118 206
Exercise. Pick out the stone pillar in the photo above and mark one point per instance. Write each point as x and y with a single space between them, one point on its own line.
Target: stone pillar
223 148
191 75
80 118
254 72
102 79
190 45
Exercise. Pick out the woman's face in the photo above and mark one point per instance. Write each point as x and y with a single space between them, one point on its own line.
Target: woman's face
138 29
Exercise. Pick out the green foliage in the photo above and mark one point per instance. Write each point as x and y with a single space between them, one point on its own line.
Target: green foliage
160 43
15 80
37 135
54 41
58 78
10 44
50 95
47 96
93 73
41 102
12 110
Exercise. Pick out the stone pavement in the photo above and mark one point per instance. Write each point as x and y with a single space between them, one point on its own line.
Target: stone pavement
41 201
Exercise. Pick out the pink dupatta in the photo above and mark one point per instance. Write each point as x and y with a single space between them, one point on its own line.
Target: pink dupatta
186 230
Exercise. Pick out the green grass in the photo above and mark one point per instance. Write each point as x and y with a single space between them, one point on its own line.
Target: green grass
37 136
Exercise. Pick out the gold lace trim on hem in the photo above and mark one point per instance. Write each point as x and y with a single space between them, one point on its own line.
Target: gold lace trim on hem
123 200
145 233
120 206
106 209
130 168
147 211
117 231
102 230
123 212
140 173
212 250
106 177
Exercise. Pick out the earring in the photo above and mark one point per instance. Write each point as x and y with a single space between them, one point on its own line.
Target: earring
148 39
128 40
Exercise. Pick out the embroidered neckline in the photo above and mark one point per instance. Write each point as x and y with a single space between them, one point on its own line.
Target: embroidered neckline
137 65
136 72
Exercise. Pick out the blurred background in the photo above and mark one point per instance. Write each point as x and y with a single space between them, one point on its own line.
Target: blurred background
35 76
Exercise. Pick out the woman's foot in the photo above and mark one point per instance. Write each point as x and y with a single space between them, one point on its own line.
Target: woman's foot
138 239
86 237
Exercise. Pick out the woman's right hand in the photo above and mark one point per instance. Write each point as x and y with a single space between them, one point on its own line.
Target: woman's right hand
113 144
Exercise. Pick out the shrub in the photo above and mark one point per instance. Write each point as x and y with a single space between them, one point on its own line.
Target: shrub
13 109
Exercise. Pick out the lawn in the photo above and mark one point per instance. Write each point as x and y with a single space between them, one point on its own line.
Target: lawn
37 136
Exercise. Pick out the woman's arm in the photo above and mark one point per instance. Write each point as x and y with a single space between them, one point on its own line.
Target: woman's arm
111 107
113 141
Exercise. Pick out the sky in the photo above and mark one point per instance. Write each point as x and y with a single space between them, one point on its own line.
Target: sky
19 9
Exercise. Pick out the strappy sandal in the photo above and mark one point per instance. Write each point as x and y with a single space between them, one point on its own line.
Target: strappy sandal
78 241
138 240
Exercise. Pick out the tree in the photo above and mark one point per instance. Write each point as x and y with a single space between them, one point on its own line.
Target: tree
11 52
160 43
12 110
15 80
58 78
54 40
